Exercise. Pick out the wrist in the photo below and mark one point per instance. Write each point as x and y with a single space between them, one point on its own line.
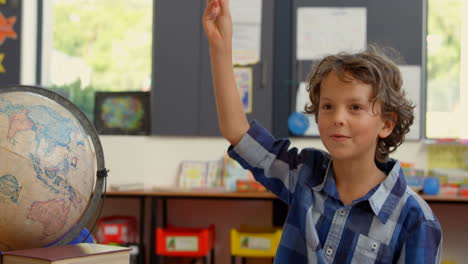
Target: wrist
223 53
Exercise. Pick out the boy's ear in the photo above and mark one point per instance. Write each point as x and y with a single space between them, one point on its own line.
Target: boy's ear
389 122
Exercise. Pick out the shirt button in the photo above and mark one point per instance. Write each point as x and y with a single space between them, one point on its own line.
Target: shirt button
329 251
342 212
374 246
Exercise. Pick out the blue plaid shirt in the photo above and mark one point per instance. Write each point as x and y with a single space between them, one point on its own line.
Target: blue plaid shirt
391 224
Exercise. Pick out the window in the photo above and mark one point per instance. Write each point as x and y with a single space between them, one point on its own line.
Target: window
447 69
96 45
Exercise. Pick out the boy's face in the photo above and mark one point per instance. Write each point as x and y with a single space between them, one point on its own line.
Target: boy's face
349 122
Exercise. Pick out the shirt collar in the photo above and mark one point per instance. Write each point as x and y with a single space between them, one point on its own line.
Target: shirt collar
328 171
383 198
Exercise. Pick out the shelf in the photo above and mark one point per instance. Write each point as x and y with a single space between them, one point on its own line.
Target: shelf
178 193
445 199
175 193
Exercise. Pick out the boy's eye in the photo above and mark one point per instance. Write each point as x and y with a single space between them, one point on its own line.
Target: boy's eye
356 107
326 107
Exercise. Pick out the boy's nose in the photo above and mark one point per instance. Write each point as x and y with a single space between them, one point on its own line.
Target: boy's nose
339 117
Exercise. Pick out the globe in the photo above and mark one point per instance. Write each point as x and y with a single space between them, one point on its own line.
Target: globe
49 159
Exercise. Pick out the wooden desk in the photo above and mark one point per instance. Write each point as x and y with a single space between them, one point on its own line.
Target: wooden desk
164 195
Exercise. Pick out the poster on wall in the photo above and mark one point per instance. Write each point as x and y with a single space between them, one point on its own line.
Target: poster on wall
244 83
10 44
122 113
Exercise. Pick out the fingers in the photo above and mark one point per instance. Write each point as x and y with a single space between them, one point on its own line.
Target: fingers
224 7
212 9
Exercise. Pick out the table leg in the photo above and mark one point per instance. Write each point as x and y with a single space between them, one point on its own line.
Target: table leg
141 258
154 208
164 212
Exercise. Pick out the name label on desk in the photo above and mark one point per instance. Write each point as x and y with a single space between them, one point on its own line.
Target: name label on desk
182 243
257 243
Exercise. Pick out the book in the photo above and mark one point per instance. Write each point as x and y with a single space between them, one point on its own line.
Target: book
69 254
125 187
233 172
192 174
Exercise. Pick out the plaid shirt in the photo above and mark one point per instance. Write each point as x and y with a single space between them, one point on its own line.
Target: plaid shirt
391 224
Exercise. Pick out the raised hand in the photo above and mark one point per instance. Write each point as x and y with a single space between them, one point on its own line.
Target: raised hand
217 24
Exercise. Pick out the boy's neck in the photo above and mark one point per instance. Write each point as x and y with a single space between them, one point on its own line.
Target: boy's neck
354 179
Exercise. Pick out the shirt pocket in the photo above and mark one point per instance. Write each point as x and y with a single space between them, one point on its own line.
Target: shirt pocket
366 250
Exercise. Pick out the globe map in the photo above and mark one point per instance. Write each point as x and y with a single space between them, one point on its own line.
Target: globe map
47 170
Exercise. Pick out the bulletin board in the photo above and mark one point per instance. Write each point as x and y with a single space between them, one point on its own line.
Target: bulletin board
323 27
10 42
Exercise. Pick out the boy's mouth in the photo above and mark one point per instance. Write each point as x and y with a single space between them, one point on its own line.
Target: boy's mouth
339 137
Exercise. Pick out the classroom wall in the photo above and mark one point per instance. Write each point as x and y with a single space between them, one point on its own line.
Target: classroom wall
154 160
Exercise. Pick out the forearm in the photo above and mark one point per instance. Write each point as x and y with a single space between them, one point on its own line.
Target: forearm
231 116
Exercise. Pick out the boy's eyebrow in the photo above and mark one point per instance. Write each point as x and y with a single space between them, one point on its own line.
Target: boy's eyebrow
359 99
353 99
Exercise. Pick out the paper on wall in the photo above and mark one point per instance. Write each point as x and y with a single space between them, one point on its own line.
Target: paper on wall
247 24
411 75
329 30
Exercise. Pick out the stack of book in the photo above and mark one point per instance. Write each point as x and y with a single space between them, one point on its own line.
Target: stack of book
69 254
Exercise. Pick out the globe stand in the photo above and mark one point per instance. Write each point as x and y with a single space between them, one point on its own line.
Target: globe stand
99 190
101 173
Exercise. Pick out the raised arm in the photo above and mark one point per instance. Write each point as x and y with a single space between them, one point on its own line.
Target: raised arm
217 24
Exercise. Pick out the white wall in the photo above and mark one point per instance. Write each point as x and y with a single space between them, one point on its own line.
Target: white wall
154 160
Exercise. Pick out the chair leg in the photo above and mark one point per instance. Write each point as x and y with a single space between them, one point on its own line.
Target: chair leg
212 256
244 260
233 259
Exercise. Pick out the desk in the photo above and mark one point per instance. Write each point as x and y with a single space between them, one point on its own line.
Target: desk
164 195
141 197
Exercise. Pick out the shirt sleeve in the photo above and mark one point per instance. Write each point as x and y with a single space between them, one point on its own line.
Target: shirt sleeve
423 245
270 160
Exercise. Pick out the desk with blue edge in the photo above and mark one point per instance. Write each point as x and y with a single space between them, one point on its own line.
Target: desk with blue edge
278 214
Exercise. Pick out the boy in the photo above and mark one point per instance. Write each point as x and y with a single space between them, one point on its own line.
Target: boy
350 205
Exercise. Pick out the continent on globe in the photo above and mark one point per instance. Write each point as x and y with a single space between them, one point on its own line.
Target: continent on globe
54 176
9 188
52 214
18 122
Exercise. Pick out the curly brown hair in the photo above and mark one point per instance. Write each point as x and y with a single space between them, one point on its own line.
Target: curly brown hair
372 66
